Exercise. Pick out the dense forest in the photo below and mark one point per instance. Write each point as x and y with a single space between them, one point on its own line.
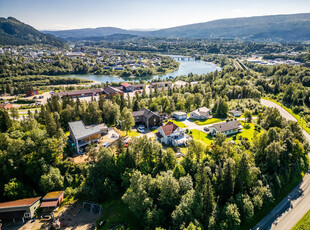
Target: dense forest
222 186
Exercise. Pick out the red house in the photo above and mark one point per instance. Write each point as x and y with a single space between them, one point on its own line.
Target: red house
32 93
6 106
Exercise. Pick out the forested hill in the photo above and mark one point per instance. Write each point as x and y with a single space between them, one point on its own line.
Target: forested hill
279 28
293 27
14 32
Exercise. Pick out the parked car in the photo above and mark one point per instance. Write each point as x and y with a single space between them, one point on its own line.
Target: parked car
41 97
106 144
140 129
206 129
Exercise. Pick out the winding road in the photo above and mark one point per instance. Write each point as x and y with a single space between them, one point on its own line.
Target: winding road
293 207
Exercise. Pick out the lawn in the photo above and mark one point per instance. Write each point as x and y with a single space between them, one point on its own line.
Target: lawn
199 135
303 223
301 122
115 213
178 123
248 132
207 121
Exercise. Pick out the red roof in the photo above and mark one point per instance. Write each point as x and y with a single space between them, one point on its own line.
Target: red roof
48 204
169 128
125 84
19 203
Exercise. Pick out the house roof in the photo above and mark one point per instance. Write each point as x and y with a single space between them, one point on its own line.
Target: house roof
47 204
225 126
144 112
53 195
139 85
202 109
27 202
125 84
79 92
110 89
169 128
180 113
79 130
235 111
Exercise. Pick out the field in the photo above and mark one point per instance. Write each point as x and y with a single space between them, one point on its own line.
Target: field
303 223
207 121
202 136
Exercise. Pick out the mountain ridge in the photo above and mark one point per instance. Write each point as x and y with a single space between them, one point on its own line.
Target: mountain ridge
283 27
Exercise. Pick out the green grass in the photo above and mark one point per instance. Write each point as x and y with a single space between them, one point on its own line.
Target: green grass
303 223
178 123
301 122
248 132
207 121
202 136
115 212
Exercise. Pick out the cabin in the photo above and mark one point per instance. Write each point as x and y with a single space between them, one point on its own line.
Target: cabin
171 134
164 84
112 91
32 93
19 209
81 93
180 115
227 128
235 113
201 113
147 118
127 87
82 135
6 106
52 200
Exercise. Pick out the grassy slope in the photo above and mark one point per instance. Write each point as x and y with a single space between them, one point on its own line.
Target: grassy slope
178 123
248 132
199 135
303 223
207 121
302 123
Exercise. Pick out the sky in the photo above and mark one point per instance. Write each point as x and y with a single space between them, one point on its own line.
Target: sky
139 14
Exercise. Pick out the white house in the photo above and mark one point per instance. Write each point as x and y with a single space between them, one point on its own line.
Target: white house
227 128
171 134
201 113
180 115
235 113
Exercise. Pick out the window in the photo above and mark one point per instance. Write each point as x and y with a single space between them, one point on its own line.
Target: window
27 215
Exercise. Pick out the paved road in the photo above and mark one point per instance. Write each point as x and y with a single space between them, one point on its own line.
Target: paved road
293 207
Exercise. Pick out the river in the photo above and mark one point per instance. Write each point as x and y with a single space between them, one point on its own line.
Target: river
187 65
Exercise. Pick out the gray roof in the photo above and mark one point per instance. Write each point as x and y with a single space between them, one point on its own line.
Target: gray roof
110 89
180 113
144 112
76 92
225 126
80 130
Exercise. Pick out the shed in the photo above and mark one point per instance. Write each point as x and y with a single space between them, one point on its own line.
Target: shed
180 115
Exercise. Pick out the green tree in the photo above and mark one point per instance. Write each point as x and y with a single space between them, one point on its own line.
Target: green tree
127 120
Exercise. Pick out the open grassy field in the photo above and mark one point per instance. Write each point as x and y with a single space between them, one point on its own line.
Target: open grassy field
207 121
248 132
303 223
178 123
116 213
301 122
199 135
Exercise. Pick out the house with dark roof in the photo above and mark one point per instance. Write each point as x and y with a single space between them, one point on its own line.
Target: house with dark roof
161 84
112 91
171 134
147 117
82 135
80 93
127 87
227 128
52 200
19 209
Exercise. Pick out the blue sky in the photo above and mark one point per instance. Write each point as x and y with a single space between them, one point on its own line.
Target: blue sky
142 14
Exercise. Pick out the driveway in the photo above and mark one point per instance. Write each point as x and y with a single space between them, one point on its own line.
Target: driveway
293 207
